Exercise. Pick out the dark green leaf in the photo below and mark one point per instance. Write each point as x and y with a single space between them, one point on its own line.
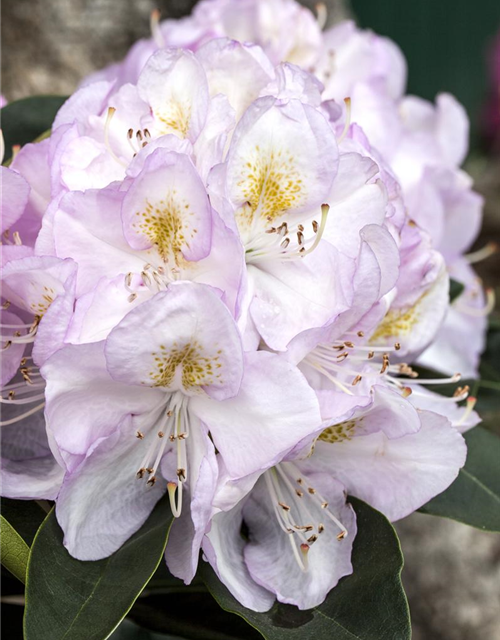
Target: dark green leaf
27 119
24 515
130 631
73 600
456 289
172 612
474 497
368 605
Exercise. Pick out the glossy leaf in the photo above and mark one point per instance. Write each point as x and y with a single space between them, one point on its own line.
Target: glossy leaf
74 600
130 631
474 497
366 605
25 120
456 289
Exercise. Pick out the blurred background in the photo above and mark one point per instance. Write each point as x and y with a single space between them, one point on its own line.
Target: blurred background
452 572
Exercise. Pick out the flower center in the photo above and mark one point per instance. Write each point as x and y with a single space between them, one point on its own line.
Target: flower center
285 241
301 511
172 430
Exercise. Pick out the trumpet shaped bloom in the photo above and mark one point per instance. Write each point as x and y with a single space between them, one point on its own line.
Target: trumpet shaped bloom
142 404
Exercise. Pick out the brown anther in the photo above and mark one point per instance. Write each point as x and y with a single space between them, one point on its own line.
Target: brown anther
300 237
299 493
138 135
315 226
300 227
182 436
285 243
341 535
342 356
146 133
349 344
149 469
461 390
17 238
361 334
312 539
151 481
140 473
356 380
6 304
25 374
171 437
132 297
130 133
385 363
12 395
271 230
23 362
283 229
299 480
371 354
160 434
321 528
311 490
397 346
139 435
17 334
284 506
6 345
181 474
169 413
324 505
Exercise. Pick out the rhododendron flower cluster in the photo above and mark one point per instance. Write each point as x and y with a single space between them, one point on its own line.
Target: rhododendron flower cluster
218 271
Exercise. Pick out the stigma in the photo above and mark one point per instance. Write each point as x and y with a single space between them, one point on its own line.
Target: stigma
172 430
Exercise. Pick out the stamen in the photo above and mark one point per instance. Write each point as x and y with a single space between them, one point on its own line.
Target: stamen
477 256
109 117
5 423
474 311
155 29
347 102
471 403
321 15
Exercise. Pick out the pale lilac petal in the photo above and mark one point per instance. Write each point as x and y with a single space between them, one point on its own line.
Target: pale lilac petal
274 409
223 547
15 194
270 559
97 511
162 342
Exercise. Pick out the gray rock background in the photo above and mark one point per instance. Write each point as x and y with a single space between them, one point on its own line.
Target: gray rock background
452 572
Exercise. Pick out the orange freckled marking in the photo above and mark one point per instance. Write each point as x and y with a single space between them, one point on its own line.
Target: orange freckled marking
164 225
175 118
270 184
197 366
